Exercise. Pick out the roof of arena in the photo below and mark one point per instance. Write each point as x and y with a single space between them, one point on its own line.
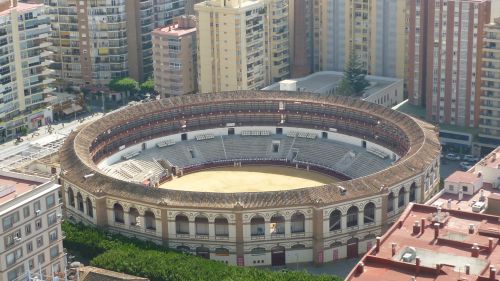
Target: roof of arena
77 162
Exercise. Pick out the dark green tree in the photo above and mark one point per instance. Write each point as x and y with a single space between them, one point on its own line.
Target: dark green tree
354 82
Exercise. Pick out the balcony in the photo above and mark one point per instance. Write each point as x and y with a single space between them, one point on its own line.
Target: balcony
45 54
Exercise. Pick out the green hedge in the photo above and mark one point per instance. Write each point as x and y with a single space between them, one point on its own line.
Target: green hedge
146 259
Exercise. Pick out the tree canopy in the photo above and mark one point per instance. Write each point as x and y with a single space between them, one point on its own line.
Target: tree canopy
147 86
147 259
354 82
126 84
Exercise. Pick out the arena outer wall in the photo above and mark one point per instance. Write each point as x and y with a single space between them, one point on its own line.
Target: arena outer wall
317 222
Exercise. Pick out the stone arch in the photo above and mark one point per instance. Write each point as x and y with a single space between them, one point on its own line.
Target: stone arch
335 221
90 209
118 213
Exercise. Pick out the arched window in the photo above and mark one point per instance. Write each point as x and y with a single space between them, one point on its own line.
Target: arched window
203 252
71 197
133 215
118 211
335 220
298 247
222 252
90 210
352 216
277 225
257 225
201 225
298 223
390 202
369 213
181 224
258 251
79 201
150 220
221 226
184 249
413 192
401 197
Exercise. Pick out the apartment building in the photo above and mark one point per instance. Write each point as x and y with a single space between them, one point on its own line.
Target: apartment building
24 76
31 236
445 56
489 125
301 37
375 29
242 45
97 41
174 58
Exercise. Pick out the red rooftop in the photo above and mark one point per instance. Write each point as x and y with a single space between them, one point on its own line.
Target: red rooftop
430 243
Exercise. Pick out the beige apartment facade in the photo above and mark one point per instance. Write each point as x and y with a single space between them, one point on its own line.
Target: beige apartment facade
374 29
174 58
489 124
31 236
242 45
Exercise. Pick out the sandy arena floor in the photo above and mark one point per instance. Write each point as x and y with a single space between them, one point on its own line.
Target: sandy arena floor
248 179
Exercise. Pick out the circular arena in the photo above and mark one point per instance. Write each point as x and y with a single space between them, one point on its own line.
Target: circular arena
251 177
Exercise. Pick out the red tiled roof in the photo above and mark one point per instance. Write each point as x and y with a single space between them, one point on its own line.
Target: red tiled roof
462 177
443 258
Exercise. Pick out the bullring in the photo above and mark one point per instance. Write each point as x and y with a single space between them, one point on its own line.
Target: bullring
311 224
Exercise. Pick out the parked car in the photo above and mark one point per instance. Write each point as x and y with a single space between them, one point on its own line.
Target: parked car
452 156
465 165
471 158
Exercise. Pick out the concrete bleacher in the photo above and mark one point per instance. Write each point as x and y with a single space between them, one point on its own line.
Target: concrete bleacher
350 160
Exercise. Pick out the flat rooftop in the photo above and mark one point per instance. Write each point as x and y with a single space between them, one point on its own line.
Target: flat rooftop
13 187
324 80
174 30
20 8
441 257
492 160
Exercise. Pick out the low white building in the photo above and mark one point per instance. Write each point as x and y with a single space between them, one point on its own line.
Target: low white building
467 183
489 167
30 235
385 91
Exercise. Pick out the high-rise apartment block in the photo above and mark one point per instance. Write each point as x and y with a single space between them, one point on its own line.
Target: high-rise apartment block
301 37
24 82
241 44
445 55
489 125
30 235
97 41
374 29
174 58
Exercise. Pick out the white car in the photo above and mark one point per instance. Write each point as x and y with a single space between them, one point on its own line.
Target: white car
452 156
465 165
471 158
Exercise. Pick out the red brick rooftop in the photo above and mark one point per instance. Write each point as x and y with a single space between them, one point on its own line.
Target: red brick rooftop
440 254
462 177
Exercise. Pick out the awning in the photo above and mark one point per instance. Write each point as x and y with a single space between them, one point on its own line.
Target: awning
74 108
39 117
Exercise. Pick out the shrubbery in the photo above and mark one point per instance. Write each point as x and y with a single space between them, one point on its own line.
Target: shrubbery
146 259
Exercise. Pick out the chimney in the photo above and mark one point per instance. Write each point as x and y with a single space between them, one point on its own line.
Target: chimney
361 267
475 250
436 230
467 269
490 245
422 225
378 243
416 228
393 245
493 273
471 228
417 265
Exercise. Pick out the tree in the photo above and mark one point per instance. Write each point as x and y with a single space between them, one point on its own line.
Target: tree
148 86
354 82
126 85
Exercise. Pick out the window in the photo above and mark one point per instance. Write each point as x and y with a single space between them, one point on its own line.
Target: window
352 216
54 251
50 200
51 218
39 242
26 211
29 247
13 256
41 258
37 207
27 229
31 264
38 224
335 220
15 273
53 235
10 239
10 220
